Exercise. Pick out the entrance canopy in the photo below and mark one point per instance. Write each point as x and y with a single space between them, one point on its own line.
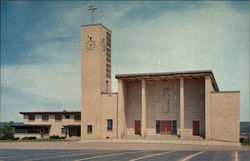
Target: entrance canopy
71 125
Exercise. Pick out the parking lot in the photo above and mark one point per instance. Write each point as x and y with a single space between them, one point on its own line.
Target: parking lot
121 155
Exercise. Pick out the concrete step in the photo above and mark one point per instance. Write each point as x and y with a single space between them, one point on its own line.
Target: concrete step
131 137
161 137
192 138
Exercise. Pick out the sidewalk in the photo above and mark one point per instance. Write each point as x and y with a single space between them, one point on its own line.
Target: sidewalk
182 142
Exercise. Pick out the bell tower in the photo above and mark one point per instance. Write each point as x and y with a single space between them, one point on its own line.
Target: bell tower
95 76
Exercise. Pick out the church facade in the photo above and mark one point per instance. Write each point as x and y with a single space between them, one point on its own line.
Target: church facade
168 105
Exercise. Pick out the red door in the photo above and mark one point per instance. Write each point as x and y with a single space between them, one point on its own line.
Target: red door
196 127
137 127
166 127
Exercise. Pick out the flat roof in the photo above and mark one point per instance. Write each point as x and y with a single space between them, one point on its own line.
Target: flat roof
31 125
97 25
52 112
169 76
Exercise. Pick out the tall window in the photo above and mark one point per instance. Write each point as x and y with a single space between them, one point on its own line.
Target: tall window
109 124
89 129
45 117
31 117
158 126
108 55
107 86
58 117
174 127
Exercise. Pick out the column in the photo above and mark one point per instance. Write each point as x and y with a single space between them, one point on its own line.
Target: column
182 118
208 89
143 108
121 118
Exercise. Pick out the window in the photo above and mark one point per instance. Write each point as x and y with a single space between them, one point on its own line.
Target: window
174 127
158 123
17 130
63 131
34 130
108 39
31 117
67 116
46 131
109 124
77 117
58 117
45 117
107 86
89 129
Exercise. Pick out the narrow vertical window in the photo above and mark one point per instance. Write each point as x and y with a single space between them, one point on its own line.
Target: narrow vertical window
107 86
89 129
109 125
158 129
174 127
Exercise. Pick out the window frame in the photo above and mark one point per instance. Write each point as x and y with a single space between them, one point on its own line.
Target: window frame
109 126
58 119
89 129
63 131
45 119
29 117
77 116
158 126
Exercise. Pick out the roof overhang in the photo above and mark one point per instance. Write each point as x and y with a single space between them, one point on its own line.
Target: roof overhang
52 112
32 125
169 76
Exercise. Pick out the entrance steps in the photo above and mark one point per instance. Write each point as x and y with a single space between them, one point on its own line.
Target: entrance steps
132 137
161 137
192 138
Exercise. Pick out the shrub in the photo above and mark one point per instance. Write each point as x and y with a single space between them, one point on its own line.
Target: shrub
16 138
28 138
6 133
56 137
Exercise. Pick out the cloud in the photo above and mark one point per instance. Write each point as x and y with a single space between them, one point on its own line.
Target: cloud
40 87
213 37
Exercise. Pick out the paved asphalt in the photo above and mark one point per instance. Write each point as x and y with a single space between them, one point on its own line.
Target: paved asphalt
122 155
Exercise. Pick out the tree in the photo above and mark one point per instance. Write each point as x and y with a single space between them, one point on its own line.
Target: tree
6 133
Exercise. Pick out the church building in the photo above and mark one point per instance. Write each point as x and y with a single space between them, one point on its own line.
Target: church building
166 105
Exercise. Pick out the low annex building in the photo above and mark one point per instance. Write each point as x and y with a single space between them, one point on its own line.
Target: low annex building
168 105
44 124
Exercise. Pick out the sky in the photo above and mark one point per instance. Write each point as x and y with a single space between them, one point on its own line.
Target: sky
40 50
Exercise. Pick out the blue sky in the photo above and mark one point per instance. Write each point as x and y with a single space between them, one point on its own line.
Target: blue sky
40 53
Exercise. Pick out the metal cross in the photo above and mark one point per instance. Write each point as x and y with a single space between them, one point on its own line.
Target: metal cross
92 8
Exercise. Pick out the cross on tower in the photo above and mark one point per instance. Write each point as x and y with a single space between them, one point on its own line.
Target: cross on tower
92 8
